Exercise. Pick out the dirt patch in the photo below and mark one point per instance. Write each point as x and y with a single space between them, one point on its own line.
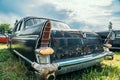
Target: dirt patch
3 46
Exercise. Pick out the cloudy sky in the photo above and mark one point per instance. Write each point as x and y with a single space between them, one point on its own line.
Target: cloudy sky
87 15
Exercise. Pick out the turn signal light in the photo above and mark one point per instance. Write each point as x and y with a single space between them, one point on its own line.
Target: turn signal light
45 51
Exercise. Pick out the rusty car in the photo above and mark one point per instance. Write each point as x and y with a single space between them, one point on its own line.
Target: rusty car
52 48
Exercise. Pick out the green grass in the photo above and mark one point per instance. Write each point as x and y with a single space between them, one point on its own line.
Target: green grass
12 69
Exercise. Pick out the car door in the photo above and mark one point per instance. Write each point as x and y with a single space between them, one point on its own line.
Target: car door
23 42
26 37
15 36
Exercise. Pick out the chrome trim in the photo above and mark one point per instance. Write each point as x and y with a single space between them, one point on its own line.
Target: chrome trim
115 48
42 58
81 60
84 62
26 59
110 53
75 67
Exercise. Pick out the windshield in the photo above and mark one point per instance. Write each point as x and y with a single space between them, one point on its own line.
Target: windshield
59 25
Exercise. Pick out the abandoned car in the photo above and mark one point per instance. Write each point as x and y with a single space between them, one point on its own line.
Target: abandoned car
115 42
51 47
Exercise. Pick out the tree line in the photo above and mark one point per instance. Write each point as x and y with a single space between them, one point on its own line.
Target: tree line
5 28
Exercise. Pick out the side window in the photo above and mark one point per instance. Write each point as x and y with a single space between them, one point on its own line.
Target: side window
29 23
33 21
18 27
117 35
15 29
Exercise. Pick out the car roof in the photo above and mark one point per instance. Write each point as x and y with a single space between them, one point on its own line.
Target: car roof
29 17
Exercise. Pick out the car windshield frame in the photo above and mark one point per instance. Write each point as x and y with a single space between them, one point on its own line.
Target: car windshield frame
59 24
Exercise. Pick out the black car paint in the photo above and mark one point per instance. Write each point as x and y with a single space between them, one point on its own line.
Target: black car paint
67 47
116 42
25 41
67 44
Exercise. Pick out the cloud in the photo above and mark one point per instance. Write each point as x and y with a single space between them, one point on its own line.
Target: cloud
80 14
11 18
50 11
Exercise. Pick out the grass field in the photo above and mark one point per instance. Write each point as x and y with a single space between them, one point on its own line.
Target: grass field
12 69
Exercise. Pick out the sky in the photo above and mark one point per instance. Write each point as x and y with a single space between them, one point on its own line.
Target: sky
85 15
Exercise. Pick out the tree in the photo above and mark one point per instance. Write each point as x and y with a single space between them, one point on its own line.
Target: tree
4 28
110 26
